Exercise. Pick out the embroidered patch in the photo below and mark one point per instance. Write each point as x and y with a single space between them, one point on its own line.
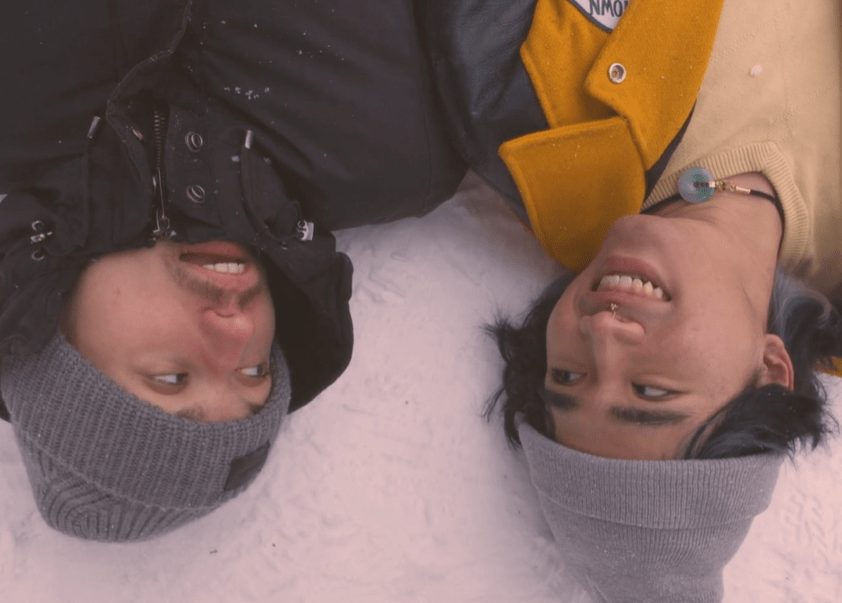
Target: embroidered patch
246 467
603 13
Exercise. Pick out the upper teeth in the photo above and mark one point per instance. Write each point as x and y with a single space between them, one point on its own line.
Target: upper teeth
226 267
633 284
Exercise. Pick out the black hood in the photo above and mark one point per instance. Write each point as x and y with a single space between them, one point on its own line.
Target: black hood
104 202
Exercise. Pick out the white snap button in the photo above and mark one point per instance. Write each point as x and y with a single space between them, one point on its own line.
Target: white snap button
616 73
194 141
195 193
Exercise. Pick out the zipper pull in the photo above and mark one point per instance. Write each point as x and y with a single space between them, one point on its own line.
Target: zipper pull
162 226
162 222
304 230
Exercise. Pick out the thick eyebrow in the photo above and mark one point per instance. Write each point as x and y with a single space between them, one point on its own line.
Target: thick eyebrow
192 413
195 412
653 418
629 415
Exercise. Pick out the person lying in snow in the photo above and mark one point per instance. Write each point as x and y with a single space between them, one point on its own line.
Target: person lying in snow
173 171
682 161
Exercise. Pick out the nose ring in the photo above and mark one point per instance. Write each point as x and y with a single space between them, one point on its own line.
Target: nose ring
613 307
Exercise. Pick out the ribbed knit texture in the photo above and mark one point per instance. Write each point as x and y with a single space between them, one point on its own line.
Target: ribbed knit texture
648 531
105 465
770 103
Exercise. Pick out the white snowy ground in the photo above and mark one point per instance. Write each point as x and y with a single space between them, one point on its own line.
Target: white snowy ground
390 487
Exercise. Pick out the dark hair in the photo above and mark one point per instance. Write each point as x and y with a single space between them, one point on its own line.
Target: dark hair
759 419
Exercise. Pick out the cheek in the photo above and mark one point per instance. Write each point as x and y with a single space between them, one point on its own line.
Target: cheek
719 357
116 317
562 327
97 334
97 310
269 314
264 319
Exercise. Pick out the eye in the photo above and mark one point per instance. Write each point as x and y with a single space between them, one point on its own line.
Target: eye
651 393
173 379
563 377
259 371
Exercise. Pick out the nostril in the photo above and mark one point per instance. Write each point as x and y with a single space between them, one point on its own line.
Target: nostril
230 321
619 317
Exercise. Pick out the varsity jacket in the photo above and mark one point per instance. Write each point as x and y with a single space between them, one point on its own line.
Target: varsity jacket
630 94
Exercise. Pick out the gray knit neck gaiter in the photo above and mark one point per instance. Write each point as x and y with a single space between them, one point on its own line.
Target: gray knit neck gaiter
105 465
648 531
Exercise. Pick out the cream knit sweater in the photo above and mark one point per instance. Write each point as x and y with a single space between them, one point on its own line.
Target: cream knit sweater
771 102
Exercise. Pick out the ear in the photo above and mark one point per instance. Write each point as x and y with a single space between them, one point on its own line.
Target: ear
777 365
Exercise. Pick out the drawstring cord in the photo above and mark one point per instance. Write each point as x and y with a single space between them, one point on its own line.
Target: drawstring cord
304 230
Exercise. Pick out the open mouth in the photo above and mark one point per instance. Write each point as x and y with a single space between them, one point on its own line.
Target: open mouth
225 264
215 262
631 283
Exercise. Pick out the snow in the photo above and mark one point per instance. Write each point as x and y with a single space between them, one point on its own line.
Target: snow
390 487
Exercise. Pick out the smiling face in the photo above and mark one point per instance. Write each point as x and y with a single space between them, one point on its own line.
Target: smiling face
186 327
657 334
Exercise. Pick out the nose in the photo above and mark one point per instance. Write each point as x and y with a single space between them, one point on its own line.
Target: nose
228 329
606 329
611 340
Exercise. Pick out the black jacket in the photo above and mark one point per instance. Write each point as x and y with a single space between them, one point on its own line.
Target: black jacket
260 117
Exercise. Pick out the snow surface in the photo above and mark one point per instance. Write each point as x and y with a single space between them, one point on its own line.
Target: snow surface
390 487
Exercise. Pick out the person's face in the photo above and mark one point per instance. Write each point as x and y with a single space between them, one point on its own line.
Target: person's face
188 328
637 381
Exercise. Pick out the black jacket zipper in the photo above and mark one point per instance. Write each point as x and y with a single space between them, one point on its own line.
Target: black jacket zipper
162 222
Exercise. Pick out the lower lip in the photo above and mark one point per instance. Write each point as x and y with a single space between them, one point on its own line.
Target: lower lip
234 283
635 300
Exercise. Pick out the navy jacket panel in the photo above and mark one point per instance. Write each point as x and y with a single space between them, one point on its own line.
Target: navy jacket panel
482 85
344 93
